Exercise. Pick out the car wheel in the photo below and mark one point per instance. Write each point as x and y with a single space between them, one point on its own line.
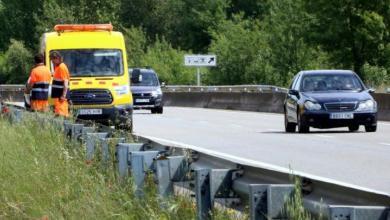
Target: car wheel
302 127
370 128
153 111
289 127
353 128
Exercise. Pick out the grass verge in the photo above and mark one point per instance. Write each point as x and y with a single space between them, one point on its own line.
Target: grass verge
43 176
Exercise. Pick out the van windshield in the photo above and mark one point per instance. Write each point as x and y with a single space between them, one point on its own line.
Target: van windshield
139 78
93 62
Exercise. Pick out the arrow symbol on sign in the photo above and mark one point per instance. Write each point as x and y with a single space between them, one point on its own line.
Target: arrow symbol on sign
211 60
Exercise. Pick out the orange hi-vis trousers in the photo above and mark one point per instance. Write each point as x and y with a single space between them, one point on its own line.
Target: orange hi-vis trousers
40 105
61 108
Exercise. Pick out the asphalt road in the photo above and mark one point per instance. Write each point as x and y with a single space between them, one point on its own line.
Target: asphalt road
361 159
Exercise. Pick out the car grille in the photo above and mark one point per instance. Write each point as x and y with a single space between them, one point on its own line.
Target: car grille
91 97
142 95
341 106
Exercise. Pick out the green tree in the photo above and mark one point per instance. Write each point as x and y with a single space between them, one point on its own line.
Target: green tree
16 21
193 22
252 9
135 45
240 62
16 63
353 32
286 28
168 63
76 11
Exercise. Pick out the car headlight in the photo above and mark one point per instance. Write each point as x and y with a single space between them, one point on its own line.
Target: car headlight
369 105
122 90
312 106
156 92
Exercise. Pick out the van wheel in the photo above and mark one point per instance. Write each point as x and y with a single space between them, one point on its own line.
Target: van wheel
157 110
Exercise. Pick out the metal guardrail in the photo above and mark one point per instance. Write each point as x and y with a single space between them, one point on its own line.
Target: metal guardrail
215 180
234 88
12 87
184 88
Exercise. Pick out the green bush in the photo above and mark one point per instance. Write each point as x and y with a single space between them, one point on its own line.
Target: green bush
375 76
135 39
241 54
168 63
16 63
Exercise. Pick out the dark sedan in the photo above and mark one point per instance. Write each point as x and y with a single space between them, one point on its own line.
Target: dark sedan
329 99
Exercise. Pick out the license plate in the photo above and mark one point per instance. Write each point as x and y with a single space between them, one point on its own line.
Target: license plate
90 111
341 116
142 100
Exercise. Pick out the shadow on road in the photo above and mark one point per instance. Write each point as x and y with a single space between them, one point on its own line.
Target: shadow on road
311 132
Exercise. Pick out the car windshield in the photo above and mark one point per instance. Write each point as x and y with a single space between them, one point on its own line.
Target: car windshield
93 62
140 78
330 82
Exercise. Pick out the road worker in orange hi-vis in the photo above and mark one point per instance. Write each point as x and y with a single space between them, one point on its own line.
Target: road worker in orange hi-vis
38 84
60 85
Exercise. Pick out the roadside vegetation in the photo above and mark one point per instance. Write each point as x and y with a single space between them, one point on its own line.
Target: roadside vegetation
256 42
48 178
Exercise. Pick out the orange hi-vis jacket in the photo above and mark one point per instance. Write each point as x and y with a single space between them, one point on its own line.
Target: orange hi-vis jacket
61 73
40 80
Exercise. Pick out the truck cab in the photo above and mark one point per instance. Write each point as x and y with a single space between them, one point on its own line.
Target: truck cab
96 58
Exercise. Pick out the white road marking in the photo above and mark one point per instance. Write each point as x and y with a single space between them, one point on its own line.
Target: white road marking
273 129
384 123
324 136
258 164
387 144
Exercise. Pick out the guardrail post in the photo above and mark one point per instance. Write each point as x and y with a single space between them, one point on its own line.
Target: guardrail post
122 154
106 152
16 116
268 201
141 162
202 193
221 186
67 128
91 141
85 131
337 212
76 131
169 170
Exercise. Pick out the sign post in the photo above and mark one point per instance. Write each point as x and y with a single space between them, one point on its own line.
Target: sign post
200 61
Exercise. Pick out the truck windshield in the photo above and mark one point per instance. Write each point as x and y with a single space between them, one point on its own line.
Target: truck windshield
93 62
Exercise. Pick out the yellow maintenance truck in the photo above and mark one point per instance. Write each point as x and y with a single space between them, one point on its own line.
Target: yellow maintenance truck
99 79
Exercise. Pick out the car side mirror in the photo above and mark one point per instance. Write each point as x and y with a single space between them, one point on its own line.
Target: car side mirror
293 92
371 90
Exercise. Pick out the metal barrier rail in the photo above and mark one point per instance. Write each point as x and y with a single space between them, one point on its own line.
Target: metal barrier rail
12 87
218 181
233 88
